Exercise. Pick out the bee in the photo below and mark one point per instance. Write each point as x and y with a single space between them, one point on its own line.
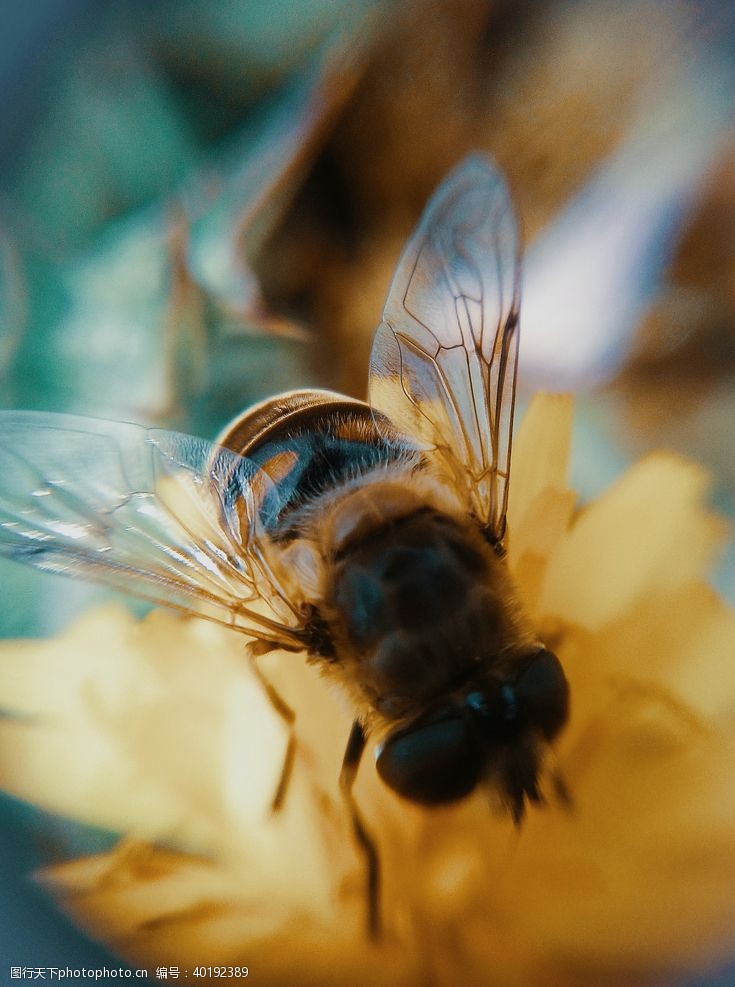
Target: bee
368 536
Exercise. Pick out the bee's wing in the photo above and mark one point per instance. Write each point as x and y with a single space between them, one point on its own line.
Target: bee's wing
443 364
164 516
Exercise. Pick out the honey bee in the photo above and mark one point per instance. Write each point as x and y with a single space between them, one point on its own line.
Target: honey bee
368 536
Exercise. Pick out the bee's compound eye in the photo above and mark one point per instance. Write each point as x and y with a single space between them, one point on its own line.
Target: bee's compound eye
542 692
433 762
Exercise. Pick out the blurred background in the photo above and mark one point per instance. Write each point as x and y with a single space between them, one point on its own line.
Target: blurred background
201 204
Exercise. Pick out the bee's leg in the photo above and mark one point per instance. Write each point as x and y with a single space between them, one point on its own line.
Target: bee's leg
288 716
561 789
350 764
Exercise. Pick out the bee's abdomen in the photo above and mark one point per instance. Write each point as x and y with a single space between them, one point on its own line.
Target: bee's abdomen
308 443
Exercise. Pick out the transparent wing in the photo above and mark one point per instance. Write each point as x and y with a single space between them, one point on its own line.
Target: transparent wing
444 358
167 517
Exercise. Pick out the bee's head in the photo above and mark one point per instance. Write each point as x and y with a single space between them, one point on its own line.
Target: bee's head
493 731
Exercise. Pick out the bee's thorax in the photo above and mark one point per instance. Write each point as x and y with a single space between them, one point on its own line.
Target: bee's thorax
416 598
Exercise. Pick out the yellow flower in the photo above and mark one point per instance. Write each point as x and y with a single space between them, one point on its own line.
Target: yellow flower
158 730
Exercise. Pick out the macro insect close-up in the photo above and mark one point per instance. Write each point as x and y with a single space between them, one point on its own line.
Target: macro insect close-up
368 366
367 536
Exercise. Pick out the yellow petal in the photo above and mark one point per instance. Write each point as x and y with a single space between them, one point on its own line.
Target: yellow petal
541 451
648 531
